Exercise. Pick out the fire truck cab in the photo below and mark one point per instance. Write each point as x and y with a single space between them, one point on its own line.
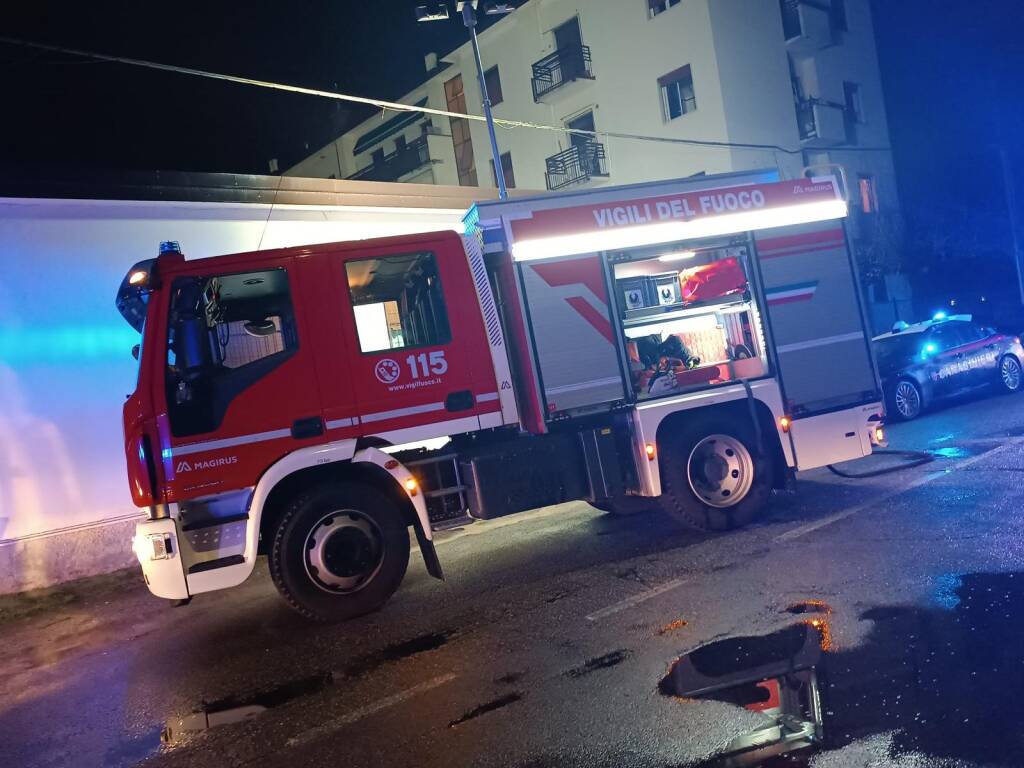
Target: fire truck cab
691 342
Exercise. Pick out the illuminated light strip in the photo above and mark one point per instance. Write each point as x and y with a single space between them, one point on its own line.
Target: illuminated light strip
652 234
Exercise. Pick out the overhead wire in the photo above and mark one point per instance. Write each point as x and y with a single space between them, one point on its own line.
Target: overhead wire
399 107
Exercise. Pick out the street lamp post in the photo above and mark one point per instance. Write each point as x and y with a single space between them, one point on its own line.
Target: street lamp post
468 10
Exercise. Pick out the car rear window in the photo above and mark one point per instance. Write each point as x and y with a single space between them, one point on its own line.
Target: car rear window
893 350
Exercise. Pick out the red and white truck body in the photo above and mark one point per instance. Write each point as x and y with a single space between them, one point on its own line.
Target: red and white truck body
693 342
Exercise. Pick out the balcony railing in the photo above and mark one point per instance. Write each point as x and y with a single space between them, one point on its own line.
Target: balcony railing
563 66
399 163
578 164
821 123
808 26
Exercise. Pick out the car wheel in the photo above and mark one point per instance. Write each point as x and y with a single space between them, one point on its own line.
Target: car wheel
340 551
906 399
712 477
1010 373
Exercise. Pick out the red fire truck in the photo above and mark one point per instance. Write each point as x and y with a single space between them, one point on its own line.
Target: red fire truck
692 342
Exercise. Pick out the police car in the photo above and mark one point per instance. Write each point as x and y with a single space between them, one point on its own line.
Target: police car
945 356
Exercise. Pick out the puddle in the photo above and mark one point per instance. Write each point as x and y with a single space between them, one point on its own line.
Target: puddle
810 606
234 709
601 662
937 684
952 452
775 676
672 626
396 652
490 706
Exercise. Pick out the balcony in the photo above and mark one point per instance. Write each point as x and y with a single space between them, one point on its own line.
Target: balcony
399 163
808 27
565 65
576 165
822 124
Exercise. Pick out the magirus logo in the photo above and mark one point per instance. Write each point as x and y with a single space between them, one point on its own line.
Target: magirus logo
186 466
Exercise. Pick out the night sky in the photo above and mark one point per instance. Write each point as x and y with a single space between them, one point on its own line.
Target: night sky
952 73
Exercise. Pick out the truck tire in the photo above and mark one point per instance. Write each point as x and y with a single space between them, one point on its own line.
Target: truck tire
712 476
340 551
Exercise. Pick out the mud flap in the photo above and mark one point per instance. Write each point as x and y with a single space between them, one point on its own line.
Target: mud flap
421 522
430 559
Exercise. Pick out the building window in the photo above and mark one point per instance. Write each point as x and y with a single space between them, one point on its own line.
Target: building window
868 194
493 81
506 169
854 103
377 157
677 95
397 302
400 143
654 7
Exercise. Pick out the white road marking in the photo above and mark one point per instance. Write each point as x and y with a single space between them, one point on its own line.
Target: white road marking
370 709
803 530
629 602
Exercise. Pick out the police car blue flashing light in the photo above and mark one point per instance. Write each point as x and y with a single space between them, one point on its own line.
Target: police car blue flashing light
929 349
939 316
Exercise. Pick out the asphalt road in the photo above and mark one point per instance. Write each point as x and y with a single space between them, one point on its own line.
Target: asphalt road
549 643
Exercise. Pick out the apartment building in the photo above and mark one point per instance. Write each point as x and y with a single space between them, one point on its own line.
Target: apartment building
800 76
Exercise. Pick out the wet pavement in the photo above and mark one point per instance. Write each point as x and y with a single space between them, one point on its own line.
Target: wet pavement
874 622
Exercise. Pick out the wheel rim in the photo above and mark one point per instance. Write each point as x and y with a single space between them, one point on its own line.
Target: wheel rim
343 551
1009 370
908 401
720 470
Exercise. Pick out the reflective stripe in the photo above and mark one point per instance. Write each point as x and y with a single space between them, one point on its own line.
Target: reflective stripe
230 442
399 412
259 437
336 423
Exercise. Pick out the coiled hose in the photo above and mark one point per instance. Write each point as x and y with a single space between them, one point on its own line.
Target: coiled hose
916 459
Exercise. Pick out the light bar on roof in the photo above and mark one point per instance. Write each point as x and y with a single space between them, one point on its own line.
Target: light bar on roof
653 234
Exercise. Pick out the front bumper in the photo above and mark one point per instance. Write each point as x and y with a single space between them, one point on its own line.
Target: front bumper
156 546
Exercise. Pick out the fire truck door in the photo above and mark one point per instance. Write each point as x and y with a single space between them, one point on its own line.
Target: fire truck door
816 317
570 319
237 376
419 361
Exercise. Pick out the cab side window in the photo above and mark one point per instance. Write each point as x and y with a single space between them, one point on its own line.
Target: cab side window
225 333
398 302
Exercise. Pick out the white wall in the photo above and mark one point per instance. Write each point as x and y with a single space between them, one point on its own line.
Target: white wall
65 362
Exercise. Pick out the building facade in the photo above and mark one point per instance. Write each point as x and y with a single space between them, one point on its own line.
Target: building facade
798 76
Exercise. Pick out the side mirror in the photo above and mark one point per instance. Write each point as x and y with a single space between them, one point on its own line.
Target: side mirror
135 351
260 328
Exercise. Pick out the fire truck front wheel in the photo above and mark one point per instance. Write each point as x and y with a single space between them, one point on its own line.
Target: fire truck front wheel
340 551
712 476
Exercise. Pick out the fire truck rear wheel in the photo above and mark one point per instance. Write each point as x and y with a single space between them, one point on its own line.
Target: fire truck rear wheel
712 476
340 551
